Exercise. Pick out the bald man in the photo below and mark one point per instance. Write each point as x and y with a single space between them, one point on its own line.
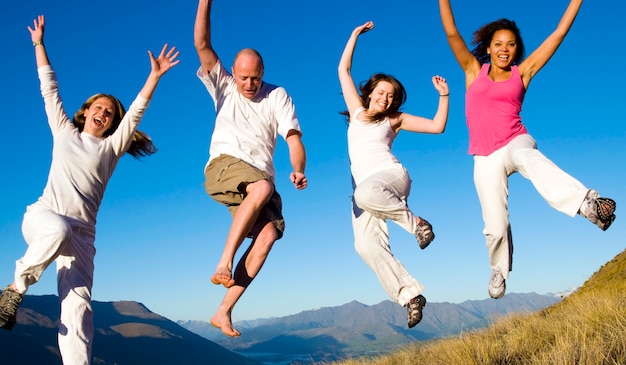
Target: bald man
239 174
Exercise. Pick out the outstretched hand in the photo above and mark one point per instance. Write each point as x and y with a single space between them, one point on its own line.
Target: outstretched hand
36 32
165 61
441 85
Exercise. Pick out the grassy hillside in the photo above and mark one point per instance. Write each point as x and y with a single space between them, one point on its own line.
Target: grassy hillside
588 327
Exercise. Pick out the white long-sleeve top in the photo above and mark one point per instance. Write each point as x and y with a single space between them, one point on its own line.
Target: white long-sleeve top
82 164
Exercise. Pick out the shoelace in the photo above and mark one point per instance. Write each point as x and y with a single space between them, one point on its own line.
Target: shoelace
424 229
12 303
496 279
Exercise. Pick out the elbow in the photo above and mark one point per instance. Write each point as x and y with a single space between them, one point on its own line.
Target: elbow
452 35
199 44
441 127
438 130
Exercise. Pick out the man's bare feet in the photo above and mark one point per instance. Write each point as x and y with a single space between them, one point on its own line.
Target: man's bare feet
223 277
223 322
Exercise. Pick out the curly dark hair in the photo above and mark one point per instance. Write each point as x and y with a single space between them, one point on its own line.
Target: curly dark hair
483 36
140 146
367 87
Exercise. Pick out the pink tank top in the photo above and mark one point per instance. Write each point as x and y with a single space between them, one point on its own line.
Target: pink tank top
492 111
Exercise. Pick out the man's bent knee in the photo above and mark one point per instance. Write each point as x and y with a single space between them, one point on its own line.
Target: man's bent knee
262 189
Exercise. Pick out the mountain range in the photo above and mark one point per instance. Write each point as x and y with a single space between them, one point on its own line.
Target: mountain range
126 332
354 329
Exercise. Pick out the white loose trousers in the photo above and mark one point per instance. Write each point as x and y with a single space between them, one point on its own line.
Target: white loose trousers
562 192
380 197
69 242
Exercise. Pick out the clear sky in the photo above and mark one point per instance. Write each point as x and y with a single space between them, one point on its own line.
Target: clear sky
159 235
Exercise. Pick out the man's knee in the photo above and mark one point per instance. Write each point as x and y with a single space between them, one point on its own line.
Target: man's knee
261 190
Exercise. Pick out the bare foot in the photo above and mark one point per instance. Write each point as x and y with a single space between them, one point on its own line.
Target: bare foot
223 322
223 277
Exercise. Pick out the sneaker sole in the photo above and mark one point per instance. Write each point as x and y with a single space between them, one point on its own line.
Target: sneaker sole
607 223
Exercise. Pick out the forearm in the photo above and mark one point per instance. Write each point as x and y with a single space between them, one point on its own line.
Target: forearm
447 18
568 18
201 30
297 153
345 63
41 56
297 156
440 119
150 85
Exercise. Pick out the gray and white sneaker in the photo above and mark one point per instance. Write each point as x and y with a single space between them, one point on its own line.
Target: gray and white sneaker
600 211
10 301
424 233
497 284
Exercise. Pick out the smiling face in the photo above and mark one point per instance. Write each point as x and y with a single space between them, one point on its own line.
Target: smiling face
99 116
502 48
381 97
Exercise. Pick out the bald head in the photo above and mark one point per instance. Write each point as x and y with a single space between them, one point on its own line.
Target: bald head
249 54
248 72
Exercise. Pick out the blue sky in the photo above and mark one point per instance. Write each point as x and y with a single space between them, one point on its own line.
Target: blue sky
159 235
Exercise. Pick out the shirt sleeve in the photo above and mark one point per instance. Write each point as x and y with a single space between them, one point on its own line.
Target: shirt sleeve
285 112
57 117
123 136
217 82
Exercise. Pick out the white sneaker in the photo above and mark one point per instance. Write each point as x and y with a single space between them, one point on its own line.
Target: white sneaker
600 211
497 284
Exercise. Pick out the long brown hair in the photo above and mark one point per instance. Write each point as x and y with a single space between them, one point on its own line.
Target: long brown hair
140 146
367 87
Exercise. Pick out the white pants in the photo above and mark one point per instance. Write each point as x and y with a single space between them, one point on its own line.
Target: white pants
380 197
53 237
491 173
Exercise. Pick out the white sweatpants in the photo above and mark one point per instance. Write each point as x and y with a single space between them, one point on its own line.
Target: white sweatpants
380 197
53 237
491 173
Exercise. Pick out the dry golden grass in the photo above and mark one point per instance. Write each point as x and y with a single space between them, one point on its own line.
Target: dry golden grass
588 327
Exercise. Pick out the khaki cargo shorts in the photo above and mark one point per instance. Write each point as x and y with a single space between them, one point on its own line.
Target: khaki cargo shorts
226 179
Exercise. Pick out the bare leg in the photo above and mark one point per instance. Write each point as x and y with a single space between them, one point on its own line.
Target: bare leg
257 195
247 269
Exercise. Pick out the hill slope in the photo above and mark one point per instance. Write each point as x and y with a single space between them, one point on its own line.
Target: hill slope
588 327
125 333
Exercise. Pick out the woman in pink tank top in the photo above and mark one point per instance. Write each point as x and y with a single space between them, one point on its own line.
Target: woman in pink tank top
496 79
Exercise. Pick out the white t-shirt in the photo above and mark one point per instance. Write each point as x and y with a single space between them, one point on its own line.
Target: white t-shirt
244 128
